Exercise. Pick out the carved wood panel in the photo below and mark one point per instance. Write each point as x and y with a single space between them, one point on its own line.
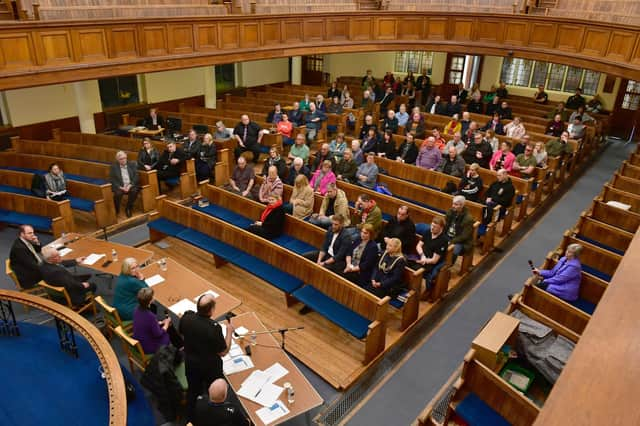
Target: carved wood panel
516 33
361 29
337 29
411 29
16 50
621 45
54 47
90 45
181 39
271 33
313 29
595 42
122 42
386 28
206 37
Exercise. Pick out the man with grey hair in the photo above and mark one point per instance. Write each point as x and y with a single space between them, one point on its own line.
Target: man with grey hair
123 176
216 409
54 273
459 227
297 168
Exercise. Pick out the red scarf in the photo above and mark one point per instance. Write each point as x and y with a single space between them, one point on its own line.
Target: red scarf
366 212
269 209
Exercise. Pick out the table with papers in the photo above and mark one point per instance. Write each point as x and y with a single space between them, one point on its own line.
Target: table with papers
258 379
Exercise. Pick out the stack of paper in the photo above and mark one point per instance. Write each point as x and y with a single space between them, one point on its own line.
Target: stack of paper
92 258
236 364
183 306
272 413
156 279
64 251
259 387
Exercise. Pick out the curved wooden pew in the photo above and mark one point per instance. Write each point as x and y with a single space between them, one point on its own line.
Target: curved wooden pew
42 214
602 234
622 219
629 170
625 183
610 193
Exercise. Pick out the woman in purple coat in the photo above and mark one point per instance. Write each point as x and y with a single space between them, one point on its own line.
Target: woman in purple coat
563 280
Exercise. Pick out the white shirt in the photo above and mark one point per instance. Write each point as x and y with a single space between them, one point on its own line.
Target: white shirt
126 179
333 240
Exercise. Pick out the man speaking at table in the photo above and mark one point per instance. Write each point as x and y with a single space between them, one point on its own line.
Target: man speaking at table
204 347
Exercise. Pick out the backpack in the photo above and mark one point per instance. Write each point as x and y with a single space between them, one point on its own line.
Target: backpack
38 185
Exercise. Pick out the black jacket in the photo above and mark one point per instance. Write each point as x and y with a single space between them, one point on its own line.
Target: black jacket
273 224
148 122
191 149
160 378
501 192
59 276
341 248
115 177
165 165
24 264
411 154
469 154
148 159
405 231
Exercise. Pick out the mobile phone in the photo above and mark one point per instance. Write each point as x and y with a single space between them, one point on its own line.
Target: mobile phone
107 263
531 265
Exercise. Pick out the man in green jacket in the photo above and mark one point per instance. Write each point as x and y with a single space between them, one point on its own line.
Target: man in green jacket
459 227
559 147
368 212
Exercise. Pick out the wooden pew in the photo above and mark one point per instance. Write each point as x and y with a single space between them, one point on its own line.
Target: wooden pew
353 297
592 256
605 234
622 219
58 211
83 168
629 170
610 193
625 184
101 195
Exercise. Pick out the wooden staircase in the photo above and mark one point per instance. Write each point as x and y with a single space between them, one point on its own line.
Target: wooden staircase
6 11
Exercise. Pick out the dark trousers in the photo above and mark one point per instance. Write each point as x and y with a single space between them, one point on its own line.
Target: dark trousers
132 196
199 379
337 266
255 150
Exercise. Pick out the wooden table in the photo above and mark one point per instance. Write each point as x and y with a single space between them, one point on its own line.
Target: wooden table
264 354
85 246
180 283
145 133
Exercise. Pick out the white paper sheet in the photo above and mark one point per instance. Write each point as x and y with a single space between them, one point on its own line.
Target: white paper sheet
253 384
231 365
241 331
93 258
183 306
211 292
276 372
65 251
272 413
156 279
268 395
235 350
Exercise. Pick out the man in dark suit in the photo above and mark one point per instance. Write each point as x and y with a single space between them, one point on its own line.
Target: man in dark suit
24 257
153 121
170 162
54 273
337 244
191 146
124 179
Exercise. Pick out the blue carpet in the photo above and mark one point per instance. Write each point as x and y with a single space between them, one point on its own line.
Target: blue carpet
42 385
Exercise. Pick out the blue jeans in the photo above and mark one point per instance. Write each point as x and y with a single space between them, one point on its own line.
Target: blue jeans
323 222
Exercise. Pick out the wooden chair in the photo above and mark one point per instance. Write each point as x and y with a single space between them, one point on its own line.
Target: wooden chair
60 295
112 317
36 290
133 349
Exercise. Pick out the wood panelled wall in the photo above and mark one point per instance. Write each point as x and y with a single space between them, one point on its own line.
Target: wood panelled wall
37 53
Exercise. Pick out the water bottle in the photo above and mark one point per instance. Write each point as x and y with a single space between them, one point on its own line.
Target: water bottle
291 395
114 255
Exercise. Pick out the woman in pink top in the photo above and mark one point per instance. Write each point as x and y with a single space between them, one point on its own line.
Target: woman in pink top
322 177
503 159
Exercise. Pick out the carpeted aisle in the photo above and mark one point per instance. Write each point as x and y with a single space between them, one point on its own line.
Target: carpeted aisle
42 385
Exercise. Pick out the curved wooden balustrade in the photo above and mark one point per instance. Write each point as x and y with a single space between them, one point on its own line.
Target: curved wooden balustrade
102 348
36 53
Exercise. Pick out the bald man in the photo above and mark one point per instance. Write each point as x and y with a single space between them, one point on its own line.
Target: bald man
216 410
204 347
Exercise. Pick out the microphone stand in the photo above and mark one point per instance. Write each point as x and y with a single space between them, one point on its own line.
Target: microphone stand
282 332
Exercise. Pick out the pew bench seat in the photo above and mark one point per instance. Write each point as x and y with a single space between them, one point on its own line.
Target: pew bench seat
476 412
352 322
599 244
79 178
584 305
40 223
76 203
596 273
385 216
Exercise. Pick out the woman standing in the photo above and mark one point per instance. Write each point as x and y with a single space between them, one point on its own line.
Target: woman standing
206 160
56 183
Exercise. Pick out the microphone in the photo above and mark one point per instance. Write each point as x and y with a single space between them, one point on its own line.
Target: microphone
530 262
228 316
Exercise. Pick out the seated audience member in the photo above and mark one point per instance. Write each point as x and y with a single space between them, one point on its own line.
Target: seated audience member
216 410
502 91
409 78
270 185
541 154
475 105
130 281
416 126
170 162
563 280
285 128
515 129
324 154
333 91
335 107
366 126
402 115
334 202
370 142
248 136
459 227
454 107
297 169
494 124
320 105
490 95
387 146
500 193
400 226
276 160
429 156
367 172
390 122
314 119
410 92
56 183
594 106
53 271
525 164
555 127
503 159
576 100
453 126
581 112
452 164
436 106
490 136
456 143
346 100
479 151
271 223
465 122
472 130
24 257
151 333
322 178
386 99
560 109
576 129
335 248
299 149
461 93
358 155
471 184
432 251
275 115
191 146
153 121
540 97
347 168
387 276
242 179
389 79
305 103
439 141
423 84
493 107
475 90
123 176
295 114
368 212
407 151
559 147
206 160
362 258
222 133
367 101
300 204
148 156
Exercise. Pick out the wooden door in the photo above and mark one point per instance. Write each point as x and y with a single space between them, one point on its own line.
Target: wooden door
312 69
626 113
453 75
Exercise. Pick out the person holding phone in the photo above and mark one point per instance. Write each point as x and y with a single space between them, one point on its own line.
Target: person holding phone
563 280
